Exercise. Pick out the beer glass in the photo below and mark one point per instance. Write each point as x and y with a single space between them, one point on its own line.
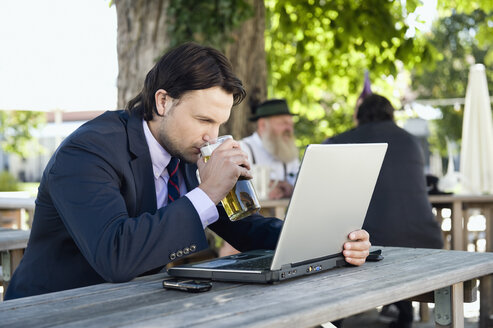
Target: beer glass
241 201
261 180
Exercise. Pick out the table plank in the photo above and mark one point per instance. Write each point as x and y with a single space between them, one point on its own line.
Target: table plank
274 207
300 302
477 199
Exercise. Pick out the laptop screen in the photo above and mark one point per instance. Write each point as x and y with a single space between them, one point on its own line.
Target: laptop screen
330 199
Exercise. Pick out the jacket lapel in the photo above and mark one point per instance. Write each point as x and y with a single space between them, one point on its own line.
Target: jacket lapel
141 165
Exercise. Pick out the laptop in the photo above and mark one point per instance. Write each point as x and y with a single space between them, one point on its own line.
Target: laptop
330 199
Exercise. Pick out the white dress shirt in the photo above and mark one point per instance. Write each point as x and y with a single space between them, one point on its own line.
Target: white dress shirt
160 158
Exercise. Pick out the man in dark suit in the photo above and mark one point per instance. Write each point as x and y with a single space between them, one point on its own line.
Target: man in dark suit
399 213
109 206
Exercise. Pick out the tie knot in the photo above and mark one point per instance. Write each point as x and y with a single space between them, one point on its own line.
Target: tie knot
173 166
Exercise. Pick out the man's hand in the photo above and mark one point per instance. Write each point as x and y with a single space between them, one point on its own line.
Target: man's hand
357 249
219 175
281 189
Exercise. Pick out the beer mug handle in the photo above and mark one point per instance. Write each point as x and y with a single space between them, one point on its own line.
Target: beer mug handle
197 174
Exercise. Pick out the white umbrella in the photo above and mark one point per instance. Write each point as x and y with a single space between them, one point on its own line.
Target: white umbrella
476 159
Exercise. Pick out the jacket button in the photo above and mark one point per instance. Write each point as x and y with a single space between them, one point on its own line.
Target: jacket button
186 250
193 248
179 253
172 256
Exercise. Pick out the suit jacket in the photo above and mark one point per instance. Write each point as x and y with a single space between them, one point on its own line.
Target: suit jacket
399 213
96 218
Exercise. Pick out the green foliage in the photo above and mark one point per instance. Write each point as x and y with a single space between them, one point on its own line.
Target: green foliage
483 29
316 128
15 131
317 52
8 182
447 8
206 22
454 38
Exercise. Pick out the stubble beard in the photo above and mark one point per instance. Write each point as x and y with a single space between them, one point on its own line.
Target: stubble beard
170 143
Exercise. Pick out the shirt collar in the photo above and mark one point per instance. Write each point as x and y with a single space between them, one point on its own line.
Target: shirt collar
159 156
256 138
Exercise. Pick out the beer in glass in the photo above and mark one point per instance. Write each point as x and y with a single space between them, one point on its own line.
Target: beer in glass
241 201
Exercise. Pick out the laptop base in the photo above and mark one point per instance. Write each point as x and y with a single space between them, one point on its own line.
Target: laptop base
224 268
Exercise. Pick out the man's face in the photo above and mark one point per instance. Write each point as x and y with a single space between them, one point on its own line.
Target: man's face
190 121
277 134
280 126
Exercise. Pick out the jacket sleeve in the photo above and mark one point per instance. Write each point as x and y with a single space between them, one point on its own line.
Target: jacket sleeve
85 188
253 232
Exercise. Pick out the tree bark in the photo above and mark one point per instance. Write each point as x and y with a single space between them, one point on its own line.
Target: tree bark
142 39
247 55
142 26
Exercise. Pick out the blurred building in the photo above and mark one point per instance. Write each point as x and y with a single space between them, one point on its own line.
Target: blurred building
58 127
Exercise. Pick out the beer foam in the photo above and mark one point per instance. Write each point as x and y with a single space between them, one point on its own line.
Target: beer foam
208 148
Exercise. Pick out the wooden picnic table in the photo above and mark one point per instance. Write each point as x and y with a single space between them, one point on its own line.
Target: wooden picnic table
274 207
460 204
12 245
301 302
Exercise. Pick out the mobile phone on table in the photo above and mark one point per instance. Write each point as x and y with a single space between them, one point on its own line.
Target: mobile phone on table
188 285
375 256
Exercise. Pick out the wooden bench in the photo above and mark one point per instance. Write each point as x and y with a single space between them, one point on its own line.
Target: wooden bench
12 207
12 245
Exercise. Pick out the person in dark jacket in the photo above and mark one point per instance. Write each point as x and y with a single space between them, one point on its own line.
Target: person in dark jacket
399 213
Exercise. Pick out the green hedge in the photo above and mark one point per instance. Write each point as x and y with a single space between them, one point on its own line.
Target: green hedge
8 182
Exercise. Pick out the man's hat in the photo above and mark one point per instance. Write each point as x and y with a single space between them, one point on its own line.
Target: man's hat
271 108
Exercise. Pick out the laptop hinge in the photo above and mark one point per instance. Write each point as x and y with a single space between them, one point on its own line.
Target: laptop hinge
286 267
316 260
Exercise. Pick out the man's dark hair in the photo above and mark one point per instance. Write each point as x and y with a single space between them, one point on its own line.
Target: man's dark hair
187 67
375 108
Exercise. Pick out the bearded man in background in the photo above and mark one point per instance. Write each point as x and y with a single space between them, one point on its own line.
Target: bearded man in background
273 145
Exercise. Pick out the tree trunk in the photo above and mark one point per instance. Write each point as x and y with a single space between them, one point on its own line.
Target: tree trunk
247 55
142 26
142 39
